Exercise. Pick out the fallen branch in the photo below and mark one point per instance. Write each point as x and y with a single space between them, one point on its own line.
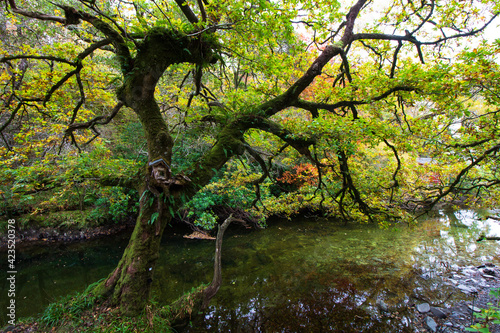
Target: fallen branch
180 311
483 237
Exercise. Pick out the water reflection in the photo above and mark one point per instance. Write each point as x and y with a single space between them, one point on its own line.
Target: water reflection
47 273
335 278
300 276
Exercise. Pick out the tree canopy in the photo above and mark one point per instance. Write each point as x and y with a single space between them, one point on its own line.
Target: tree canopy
362 110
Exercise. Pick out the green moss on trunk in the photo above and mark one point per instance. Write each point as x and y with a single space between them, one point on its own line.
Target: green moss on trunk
129 285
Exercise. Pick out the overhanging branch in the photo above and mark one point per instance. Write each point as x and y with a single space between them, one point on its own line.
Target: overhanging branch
73 16
100 120
462 173
36 15
307 105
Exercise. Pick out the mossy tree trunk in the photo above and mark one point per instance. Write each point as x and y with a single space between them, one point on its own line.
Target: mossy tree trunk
128 286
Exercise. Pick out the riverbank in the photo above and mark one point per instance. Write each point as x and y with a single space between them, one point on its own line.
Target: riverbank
468 292
50 235
66 226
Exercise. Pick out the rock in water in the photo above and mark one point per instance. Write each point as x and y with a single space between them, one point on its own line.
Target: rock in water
430 324
382 306
474 308
423 308
438 313
466 289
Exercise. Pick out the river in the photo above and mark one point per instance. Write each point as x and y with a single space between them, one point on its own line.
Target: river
309 274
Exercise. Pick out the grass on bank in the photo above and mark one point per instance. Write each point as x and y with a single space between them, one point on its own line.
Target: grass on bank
84 313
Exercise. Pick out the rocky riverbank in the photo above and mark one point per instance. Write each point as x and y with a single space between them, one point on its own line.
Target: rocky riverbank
468 291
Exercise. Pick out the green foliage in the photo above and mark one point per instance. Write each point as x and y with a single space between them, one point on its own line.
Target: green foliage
154 217
113 204
207 220
83 312
69 308
232 189
488 316
130 141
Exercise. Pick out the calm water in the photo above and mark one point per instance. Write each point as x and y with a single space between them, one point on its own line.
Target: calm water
301 276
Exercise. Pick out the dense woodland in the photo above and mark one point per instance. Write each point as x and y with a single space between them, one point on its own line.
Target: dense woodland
366 111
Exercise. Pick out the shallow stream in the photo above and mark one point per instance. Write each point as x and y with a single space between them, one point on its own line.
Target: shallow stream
305 275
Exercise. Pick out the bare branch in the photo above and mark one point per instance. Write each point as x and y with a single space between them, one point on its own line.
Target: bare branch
11 118
100 120
265 173
395 183
41 57
395 59
36 15
307 105
410 38
462 173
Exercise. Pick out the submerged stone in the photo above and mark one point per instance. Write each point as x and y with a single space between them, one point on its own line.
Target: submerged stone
474 308
438 313
430 324
466 289
423 308
382 306
487 271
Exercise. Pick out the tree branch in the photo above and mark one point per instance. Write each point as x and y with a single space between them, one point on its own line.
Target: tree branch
186 10
73 16
36 15
291 94
100 120
214 286
299 144
410 38
311 106
265 173
41 57
462 173
395 183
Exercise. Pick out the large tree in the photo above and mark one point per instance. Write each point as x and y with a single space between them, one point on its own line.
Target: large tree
354 75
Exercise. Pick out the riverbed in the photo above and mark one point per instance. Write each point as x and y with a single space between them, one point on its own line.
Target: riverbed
305 275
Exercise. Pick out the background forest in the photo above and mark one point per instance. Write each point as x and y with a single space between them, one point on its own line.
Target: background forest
407 132
161 111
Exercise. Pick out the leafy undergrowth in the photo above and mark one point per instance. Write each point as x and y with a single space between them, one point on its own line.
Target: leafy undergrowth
489 316
84 313
97 319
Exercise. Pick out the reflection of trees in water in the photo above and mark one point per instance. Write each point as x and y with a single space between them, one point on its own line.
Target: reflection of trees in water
45 276
339 308
322 302
275 271
44 296
452 241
